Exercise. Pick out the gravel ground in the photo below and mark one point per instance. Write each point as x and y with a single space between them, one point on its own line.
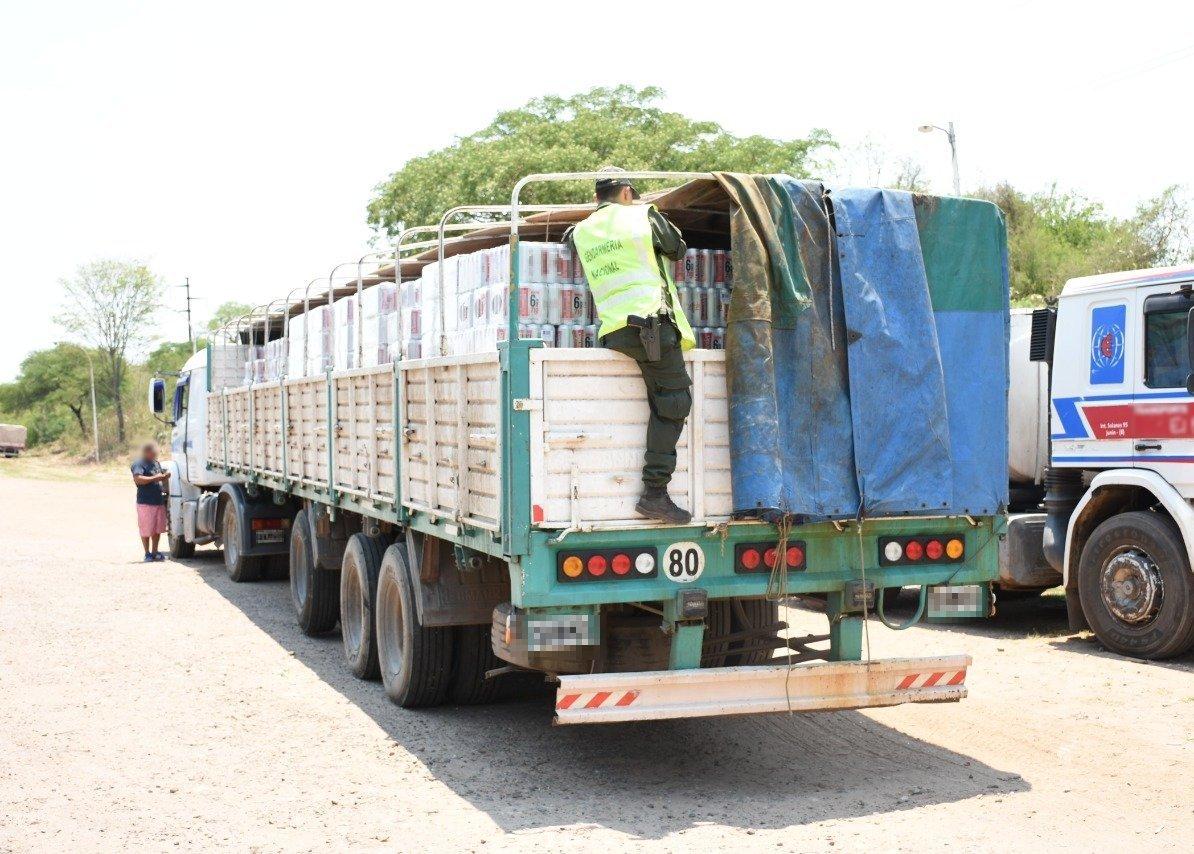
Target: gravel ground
160 706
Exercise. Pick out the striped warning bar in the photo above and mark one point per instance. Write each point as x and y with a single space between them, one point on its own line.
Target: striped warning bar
597 700
928 680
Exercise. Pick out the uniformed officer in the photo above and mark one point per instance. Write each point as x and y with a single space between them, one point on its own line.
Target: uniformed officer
625 250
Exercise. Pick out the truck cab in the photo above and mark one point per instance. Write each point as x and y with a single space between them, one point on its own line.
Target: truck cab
1119 523
203 505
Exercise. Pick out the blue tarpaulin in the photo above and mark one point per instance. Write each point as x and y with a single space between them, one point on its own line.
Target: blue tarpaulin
866 352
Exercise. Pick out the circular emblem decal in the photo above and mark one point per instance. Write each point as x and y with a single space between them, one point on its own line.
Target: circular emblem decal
683 562
1107 345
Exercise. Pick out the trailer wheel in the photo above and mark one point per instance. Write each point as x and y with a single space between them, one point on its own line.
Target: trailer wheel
358 594
757 613
240 566
315 592
1135 586
416 662
472 658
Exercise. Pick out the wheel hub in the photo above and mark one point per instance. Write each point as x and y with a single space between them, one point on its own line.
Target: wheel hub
1131 586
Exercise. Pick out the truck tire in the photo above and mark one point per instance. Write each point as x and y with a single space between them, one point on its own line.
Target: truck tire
241 567
472 658
1135 586
358 593
180 548
315 592
416 662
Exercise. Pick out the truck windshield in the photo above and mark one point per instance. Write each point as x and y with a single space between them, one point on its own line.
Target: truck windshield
1166 362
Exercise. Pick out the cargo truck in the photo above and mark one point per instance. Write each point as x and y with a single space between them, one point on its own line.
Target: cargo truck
468 515
1102 457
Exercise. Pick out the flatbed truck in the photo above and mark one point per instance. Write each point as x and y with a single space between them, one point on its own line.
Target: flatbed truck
462 517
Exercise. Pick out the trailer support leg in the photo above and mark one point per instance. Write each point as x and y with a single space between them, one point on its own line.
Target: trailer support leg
845 631
687 637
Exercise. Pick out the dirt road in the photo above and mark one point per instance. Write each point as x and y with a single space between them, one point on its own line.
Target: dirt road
160 706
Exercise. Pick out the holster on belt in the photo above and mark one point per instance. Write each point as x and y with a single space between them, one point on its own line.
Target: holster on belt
648 333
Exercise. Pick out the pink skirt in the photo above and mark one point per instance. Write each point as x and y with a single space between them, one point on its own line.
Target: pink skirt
151 519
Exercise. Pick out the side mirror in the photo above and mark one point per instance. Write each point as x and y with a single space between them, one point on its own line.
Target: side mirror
157 396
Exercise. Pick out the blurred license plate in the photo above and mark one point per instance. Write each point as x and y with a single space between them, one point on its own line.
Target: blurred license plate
269 535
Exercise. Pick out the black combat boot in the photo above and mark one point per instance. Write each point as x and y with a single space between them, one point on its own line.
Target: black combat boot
655 503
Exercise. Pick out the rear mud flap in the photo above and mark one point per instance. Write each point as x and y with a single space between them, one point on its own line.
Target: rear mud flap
813 687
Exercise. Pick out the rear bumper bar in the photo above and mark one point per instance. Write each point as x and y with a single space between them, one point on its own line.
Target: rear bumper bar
814 687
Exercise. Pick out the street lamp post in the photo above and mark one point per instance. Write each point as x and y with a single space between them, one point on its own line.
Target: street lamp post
953 150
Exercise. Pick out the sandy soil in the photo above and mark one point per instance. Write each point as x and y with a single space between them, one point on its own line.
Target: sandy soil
160 706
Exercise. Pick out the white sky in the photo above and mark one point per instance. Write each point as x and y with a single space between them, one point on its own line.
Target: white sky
237 142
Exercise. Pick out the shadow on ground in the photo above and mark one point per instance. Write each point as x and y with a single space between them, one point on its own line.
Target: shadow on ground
647 779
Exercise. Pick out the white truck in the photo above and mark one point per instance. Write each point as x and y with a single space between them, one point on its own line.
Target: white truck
1114 474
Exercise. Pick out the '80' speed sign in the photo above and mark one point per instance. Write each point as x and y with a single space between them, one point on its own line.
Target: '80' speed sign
683 562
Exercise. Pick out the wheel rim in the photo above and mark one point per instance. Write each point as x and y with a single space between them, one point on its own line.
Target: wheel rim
352 616
390 628
1130 586
298 570
231 548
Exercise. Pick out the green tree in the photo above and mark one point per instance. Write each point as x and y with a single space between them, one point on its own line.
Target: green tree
1055 236
110 304
227 312
51 383
621 126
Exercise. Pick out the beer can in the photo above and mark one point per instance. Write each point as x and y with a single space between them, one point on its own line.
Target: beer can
565 263
580 303
531 303
719 339
679 273
691 260
551 260
729 264
496 311
578 335
415 324
548 333
705 338
713 307
719 267
567 303
554 303
528 330
500 332
564 335
591 335
723 306
685 294
578 269
700 305
480 306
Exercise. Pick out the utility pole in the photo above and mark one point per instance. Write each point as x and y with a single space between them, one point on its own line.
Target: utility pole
187 285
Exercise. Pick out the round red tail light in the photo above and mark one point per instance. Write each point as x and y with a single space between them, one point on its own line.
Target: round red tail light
795 556
770 557
620 564
751 558
914 550
597 565
934 549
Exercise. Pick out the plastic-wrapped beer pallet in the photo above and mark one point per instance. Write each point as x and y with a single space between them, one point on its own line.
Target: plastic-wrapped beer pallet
554 302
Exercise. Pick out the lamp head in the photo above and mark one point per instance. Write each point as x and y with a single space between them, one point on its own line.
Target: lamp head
925 128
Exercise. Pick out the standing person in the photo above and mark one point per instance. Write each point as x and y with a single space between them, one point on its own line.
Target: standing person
149 476
624 249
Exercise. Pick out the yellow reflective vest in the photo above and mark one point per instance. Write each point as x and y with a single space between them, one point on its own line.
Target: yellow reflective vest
617 252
